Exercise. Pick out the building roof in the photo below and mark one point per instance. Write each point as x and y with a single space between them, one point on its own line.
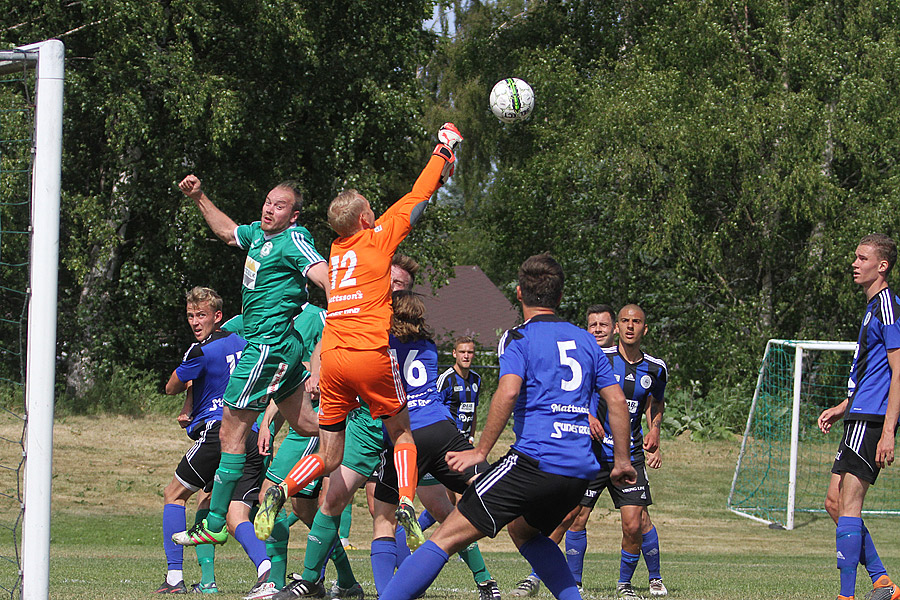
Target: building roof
470 304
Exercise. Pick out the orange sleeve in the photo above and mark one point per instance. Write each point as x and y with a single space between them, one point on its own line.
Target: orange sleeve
397 221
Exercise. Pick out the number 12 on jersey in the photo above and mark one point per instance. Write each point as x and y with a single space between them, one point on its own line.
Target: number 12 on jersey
347 261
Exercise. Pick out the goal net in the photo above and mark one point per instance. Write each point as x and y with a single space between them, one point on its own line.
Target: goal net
31 84
784 464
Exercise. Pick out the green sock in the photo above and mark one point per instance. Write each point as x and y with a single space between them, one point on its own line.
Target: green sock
472 557
277 548
231 467
322 536
346 521
206 553
345 576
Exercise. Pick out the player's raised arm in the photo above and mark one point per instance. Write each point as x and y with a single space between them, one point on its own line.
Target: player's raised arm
502 404
220 223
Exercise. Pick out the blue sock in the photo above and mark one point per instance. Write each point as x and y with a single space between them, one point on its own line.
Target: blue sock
426 520
402 549
384 558
650 550
848 541
173 522
869 556
576 546
416 574
252 545
627 565
549 563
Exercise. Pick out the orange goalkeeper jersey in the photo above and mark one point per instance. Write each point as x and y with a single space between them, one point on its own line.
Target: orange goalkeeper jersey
359 305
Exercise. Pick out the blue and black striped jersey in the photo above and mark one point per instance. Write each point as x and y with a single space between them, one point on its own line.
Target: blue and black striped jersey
461 396
870 372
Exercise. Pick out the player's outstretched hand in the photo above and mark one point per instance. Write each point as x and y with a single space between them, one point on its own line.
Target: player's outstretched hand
448 134
460 461
624 475
190 186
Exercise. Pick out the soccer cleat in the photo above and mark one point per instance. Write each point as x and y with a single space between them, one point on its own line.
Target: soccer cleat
205 588
881 593
488 590
167 588
268 511
299 588
657 588
200 534
885 582
626 591
264 589
406 516
354 592
527 587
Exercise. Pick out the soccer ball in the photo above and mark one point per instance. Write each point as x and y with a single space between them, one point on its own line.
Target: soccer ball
512 100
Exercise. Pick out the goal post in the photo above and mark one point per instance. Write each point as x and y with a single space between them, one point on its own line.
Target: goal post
784 464
47 60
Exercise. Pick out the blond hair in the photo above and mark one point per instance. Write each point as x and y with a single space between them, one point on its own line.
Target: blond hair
344 211
198 295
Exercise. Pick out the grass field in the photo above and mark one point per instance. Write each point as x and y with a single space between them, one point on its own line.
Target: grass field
107 532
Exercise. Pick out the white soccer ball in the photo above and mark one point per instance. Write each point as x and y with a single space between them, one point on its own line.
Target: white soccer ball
512 100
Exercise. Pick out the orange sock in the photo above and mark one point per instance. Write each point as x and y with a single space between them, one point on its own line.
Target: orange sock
405 456
309 468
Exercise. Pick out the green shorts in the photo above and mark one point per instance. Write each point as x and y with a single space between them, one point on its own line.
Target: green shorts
363 442
294 448
266 371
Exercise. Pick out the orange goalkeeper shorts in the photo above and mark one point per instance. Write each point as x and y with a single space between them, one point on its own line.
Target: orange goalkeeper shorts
373 376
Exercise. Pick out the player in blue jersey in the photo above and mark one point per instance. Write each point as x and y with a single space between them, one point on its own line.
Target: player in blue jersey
643 379
549 370
281 259
207 366
870 416
460 387
435 433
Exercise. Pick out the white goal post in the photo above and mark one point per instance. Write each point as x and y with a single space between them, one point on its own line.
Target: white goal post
47 59
797 378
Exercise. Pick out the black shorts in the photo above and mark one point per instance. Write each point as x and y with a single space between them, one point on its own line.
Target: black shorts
433 442
198 466
632 495
856 452
515 487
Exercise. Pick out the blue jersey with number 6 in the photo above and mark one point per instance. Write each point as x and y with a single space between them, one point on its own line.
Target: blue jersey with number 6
560 366
418 362
209 365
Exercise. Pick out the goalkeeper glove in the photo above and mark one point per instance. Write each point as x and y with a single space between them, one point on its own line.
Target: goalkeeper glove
448 134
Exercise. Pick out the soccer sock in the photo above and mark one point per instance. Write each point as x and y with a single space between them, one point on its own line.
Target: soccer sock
346 521
475 561
319 543
402 549
417 573
627 564
426 520
405 456
345 576
869 556
650 550
231 467
309 468
576 546
848 540
277 546
173 522
384 558
206 553
253 546
549 563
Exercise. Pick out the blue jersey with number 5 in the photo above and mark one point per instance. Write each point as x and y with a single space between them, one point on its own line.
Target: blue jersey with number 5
560 366
209 365
418 362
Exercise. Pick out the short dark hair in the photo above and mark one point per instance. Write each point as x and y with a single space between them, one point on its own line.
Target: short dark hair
885 247
293 186
541 281
407 263
599 309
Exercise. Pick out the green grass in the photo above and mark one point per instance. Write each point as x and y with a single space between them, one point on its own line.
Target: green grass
107 543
